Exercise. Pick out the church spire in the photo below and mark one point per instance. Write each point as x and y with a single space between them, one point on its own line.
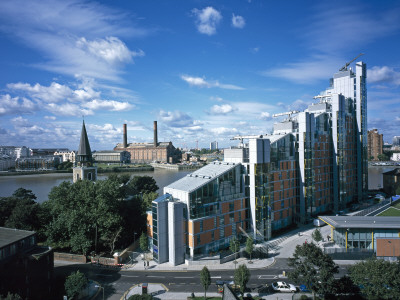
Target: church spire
84 156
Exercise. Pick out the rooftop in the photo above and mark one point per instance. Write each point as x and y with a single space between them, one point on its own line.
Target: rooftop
362 222
202 176
10 235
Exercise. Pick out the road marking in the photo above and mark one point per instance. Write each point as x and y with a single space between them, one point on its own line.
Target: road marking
129 276
215 277
267 277
183 277
157 276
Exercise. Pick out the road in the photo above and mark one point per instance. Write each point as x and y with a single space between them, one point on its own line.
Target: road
116 282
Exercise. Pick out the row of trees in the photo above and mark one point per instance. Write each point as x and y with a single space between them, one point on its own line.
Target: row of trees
84 216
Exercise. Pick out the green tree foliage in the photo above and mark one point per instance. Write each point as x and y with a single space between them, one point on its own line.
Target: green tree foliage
242 277
141 297
148 198
74 284
20 210
205 279
66 165
234 245
383 157
84 214
377 279
11 297
144 243
143 184
316 235
249 246
312 267
345 286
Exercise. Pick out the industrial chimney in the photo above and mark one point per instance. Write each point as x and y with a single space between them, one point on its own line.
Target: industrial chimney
125 141
155 134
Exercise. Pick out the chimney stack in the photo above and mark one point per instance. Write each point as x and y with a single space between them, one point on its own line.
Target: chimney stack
125 141
155 134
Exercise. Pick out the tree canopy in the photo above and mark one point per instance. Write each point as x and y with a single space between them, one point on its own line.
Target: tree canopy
377 278
143 184
312 267
74 284
249 246
205 279
242 277
316 235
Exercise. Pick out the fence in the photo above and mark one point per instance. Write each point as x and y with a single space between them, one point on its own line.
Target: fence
69 257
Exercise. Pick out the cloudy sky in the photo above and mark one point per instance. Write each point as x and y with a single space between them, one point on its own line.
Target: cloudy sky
205 70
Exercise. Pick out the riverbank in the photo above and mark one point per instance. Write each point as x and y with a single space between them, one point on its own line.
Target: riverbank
176 166
100 170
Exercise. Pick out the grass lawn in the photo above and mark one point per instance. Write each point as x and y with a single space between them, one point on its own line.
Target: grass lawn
397 205
390 212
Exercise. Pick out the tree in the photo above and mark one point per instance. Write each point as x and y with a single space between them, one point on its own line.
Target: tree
85 214
75 283
143 184
148 198
205 279
316 235
249 246
144 243
242 277
312 267
377 278
11 297
234 246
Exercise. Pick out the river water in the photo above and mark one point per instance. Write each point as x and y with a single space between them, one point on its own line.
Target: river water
41 184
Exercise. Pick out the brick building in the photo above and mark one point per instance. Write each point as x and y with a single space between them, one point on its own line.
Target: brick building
375 144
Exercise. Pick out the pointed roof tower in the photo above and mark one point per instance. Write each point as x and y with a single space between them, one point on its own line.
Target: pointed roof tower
84 156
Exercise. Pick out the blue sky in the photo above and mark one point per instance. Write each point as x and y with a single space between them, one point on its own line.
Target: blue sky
205 70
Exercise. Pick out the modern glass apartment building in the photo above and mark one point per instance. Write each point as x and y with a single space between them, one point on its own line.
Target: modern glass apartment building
314 161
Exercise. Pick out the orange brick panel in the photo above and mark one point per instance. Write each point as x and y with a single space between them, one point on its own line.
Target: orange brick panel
208 224
196 227
225 208
190 227
191 244
276 216
228 231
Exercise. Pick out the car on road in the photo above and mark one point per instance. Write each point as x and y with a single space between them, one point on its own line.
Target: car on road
318 223
283 287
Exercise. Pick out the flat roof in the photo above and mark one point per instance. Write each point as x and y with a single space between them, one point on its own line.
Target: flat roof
362 222
202 176
10 235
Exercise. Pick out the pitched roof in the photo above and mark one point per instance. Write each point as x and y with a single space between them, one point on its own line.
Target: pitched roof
9 235
84 146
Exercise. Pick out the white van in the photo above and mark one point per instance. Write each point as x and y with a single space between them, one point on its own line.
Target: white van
319 223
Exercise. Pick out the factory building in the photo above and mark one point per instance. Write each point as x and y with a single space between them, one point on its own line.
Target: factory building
315 161
163 152
112 156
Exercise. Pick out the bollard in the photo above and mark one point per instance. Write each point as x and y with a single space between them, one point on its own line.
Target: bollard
283 273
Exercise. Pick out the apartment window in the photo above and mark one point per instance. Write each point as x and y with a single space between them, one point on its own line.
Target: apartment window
231 206
198 239
201 226
212 236
282 204
221 232
231 217
215 222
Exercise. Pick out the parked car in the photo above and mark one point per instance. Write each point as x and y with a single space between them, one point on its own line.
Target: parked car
304 289
283 287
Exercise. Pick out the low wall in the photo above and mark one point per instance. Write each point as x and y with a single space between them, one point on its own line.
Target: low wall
70 257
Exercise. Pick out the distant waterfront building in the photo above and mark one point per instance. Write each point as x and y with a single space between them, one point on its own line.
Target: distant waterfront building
6 162
66 155
315 161
15 152
396 141
112 156
214 145
84 169
46 151
391 181
37 163
395 156
375 144
25 268
163 152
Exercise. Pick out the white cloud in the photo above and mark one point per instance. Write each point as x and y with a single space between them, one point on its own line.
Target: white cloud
67 109
16 105
19 121
201 82
53 93
218 99
383 74
255 50
266 116
176 119
50 118
238 21
207 20
224 131
111 49
108 105
53 28
221 109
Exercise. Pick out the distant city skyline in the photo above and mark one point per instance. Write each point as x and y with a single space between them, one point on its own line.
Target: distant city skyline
206 71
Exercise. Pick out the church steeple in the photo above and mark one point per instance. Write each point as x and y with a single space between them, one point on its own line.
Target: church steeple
84 156
84 169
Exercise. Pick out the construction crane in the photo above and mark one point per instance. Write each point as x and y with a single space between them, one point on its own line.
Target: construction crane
344 68
288 113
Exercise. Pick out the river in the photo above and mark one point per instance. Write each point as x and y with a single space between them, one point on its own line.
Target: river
41 184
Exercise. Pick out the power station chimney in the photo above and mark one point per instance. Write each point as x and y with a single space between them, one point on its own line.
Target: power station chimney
125 141
155 134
